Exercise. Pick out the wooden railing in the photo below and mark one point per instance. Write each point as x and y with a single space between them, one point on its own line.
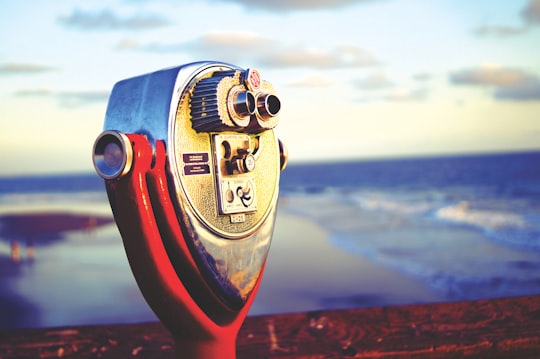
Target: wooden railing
498 328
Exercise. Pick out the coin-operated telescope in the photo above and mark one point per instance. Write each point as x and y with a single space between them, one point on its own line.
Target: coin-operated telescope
191 164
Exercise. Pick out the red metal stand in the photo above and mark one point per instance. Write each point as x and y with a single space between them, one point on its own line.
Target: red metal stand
161 261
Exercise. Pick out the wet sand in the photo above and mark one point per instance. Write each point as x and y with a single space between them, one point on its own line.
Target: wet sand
62 268
84 278
306 272
40 225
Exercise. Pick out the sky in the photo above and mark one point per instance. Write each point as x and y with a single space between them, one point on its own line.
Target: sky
356 78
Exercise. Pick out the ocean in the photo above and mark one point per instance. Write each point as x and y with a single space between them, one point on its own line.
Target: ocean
462 227
467 226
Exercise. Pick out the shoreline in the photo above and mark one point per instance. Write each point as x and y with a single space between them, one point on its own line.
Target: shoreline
305 272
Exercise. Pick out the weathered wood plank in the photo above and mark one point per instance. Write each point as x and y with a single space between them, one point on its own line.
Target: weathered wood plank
498 328
494 328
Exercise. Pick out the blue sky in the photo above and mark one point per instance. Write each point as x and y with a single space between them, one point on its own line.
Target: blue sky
357 79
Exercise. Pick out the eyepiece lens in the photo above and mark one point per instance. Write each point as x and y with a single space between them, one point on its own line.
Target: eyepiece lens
268 106
251 103
273 105
112 155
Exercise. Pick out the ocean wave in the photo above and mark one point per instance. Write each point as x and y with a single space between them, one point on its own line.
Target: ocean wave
462 213
447 269
506 227
373 201
454 288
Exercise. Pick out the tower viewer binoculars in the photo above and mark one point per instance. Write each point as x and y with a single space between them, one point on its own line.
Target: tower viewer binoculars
191 164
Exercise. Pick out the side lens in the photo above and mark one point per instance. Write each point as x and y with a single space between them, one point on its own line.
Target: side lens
112 155
268 106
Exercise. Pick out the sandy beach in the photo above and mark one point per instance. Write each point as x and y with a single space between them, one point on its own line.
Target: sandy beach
76 272
306 272
84 278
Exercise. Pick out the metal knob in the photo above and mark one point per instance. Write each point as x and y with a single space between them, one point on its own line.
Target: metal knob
243 164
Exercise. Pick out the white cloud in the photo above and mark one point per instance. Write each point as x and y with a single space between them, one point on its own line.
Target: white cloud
281 6
508 83
407 95
375 81
527 91
23 69
422 76
108 20
261 51
531 13
499 31
339 57
489 75
245 44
